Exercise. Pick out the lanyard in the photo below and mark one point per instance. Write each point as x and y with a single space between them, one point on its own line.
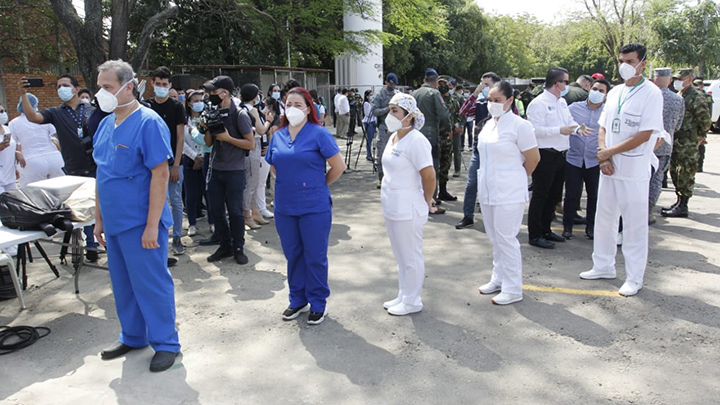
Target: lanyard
620 104
78 120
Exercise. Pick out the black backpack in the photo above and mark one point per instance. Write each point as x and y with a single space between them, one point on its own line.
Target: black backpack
33 208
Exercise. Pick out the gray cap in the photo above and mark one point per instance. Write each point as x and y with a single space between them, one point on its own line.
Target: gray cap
663 72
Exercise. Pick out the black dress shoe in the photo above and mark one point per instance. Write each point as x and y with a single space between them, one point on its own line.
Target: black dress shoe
590 234
240 257
212 240
162 361
542 243
172 261
116 351
551 236
578 220
447 197
567 235
466 222
91 256
221 253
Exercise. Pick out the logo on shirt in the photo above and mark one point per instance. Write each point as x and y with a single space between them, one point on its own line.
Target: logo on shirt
396 152
631 124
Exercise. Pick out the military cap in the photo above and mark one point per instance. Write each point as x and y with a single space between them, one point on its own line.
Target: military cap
697 82
430 72
663 72
444 78
683 73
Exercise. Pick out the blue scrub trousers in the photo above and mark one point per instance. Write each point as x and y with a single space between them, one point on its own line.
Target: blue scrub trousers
144 290
471 189
304 240
176 203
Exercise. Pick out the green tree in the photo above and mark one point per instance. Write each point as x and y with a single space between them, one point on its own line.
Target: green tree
690 36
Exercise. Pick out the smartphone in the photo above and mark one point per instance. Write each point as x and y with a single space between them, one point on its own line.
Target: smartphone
34 82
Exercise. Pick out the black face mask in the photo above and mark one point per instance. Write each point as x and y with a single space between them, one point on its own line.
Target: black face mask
215 99
443 88
391 88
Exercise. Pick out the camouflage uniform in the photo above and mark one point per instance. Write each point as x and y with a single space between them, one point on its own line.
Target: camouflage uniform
446 142
701 150
684 161
673 112
458 135
380 110
430 102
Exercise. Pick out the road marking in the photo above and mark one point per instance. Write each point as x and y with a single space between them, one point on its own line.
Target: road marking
571 291
557 228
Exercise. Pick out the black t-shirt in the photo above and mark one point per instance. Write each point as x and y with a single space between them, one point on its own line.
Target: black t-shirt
173 113
67 122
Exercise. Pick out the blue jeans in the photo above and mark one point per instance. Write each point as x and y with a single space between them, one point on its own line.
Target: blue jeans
176 203
471 187
226 188
194 187
370 132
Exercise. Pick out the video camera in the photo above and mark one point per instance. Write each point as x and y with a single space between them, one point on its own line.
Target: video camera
211 119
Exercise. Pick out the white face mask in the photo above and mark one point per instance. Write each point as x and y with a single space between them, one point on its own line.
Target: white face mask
496 109
627 71
108 102
295 115
3 118
596 97
394 124
679 85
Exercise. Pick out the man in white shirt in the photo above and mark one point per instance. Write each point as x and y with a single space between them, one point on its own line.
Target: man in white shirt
342 109
633 112
553 123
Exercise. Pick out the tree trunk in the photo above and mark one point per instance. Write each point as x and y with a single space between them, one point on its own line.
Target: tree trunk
119 29
87 36
146 35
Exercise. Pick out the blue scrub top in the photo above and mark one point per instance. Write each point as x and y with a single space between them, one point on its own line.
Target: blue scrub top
125 157
300 186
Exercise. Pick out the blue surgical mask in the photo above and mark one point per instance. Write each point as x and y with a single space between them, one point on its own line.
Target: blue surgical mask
485 92
257 101
596 97
452 91
181 97
198 107
276 95
161 92
564 92
65 93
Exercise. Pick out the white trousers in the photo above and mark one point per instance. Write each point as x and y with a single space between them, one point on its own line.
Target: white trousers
252 176
629 199
262 179
502 225
406 239
41 168
7 187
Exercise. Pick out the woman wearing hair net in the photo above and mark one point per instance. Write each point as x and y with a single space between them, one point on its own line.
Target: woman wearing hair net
407 189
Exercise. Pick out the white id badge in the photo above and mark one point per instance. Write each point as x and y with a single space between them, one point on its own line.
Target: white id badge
616 126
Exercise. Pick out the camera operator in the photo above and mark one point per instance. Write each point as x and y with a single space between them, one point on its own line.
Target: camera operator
226 175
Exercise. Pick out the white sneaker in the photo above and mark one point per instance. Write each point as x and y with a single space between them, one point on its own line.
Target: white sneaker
212 228
402 309
506 298
192 231
489 288
594 275
629 288
392 303
267 214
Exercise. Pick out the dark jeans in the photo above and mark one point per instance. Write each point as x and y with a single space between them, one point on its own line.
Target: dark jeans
471 187
469 131
548 180
194 186
225 189
574 179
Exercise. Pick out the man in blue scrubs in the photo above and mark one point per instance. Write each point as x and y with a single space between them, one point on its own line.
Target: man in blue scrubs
132 151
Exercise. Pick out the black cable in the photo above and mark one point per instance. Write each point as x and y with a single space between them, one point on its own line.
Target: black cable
19 337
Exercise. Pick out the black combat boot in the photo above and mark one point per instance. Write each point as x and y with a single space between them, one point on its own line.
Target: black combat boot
677 201
679 211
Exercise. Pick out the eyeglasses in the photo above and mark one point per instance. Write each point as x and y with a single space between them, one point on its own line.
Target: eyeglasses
564 81
2 111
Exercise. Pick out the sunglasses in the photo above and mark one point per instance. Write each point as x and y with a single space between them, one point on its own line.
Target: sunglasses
564 81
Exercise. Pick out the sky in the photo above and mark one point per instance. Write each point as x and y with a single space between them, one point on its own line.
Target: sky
545 11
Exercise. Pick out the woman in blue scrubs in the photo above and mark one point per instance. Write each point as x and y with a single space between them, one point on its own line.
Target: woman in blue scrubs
298 153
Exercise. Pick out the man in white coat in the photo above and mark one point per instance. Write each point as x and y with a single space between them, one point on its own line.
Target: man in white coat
632 114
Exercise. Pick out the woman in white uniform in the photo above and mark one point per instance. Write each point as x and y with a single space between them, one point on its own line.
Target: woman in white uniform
7 155
407 188
38 148
508 155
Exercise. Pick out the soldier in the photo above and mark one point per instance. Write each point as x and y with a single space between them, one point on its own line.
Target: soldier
446 137
457 139
579 89
684 162
526 96
380 110
354 108
437 116
673 112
